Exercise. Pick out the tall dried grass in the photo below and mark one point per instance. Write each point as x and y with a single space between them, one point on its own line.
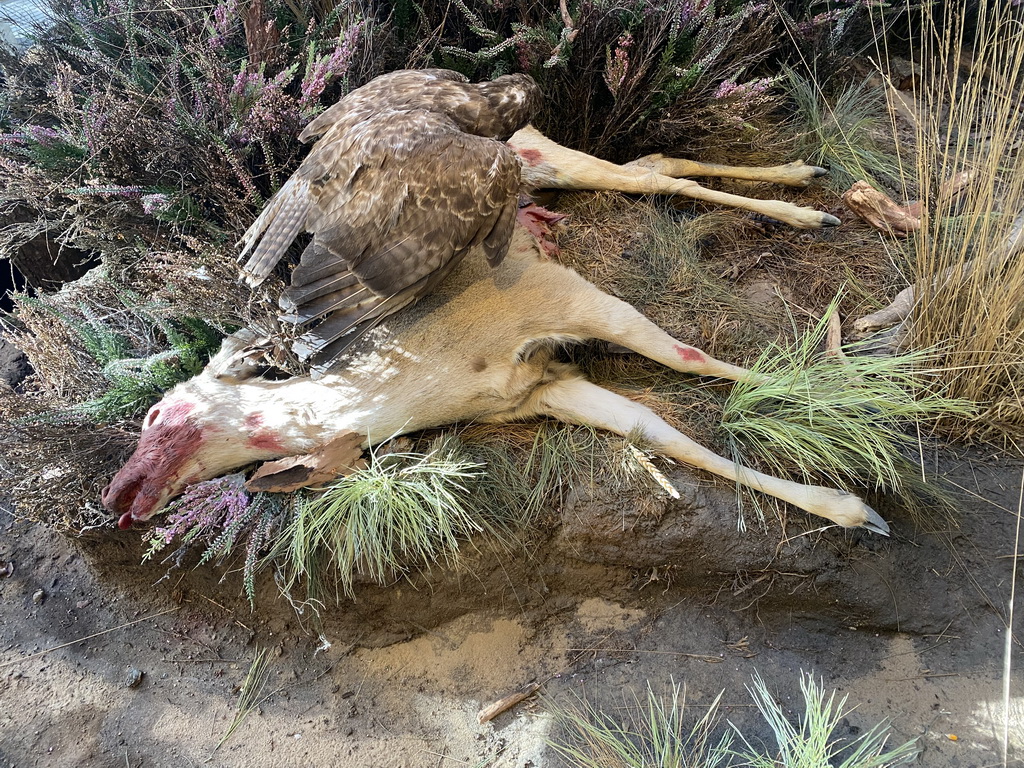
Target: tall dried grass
970 282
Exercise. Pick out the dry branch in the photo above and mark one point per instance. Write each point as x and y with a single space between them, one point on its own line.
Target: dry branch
881 211
834 338
903 304
506 703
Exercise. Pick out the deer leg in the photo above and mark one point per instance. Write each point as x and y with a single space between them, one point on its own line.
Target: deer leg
590 313
547 164
795 174
578 401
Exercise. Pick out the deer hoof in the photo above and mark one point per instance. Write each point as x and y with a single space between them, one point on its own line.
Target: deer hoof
828 220
848 510
800 174
874 522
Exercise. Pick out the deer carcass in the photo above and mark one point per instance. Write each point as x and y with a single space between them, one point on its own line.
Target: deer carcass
481 348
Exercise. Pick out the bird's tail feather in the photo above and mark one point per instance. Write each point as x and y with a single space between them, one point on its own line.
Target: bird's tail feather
274 230
345 326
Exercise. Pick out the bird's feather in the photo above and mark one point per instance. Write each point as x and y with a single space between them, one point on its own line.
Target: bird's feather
410 174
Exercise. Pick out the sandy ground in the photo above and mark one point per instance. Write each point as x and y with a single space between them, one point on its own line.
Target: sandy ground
604 603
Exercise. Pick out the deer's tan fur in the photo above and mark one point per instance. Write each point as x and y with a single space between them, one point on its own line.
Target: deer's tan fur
482 348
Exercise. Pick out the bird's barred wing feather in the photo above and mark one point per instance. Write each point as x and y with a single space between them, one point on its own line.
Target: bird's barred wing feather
396 202
387 90
277 226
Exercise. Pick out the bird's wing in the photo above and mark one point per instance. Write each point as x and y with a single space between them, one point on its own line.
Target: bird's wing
390 89
368 178
393 202
406 196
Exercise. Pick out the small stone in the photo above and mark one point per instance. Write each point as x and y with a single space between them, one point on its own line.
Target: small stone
38 596
133 678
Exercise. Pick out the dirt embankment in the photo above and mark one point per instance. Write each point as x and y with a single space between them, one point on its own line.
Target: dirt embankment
609 599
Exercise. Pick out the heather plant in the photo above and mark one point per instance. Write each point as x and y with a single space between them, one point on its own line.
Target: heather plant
138 382
159 120
147 135
133 361
221 517
634 76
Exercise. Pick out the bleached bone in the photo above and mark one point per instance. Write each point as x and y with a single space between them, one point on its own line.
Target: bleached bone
482 348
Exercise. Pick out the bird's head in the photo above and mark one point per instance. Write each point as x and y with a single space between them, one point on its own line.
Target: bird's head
507 104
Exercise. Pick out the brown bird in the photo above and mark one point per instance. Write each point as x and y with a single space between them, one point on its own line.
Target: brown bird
410 172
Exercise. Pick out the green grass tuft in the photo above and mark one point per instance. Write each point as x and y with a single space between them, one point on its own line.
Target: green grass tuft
844 133
810 743
837 422
655 736
404 508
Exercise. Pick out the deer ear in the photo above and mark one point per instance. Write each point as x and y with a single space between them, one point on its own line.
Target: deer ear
233 362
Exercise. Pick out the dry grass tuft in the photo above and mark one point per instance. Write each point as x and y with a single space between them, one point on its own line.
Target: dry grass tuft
968 270
655 257
56 465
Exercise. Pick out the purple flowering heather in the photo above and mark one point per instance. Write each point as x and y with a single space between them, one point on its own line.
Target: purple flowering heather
46 137
224 17
617 66
221 514
744 92
93 123
742 97
156 202
690 11
109 191
322 71
244 83
204 506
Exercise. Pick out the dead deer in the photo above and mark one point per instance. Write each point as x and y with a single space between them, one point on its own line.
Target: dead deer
482 347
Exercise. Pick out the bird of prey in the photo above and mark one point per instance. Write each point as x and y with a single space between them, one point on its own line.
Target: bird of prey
410 172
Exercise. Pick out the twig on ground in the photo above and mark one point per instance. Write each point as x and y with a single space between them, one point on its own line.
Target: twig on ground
506 703
12 662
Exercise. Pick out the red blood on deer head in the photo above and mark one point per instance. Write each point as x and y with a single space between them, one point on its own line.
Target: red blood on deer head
160 465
